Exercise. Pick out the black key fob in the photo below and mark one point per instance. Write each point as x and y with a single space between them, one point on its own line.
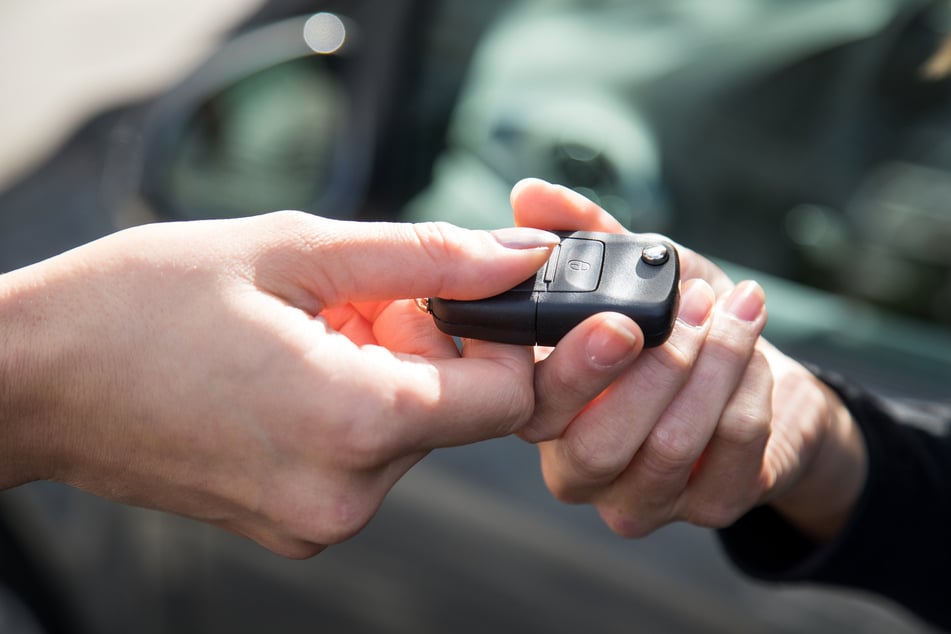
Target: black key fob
587 273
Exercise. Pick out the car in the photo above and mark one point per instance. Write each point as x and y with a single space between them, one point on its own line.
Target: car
803 144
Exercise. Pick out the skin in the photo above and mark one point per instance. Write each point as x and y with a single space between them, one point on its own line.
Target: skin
271 376
702 429
266 375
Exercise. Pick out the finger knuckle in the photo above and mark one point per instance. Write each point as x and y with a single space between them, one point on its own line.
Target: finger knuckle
368 446
510 415
328 517
537 429
439 242
512 406
365 442
346 515
626 522
669 453
744 427
437 239
518 412
514 402
288 217
564 491
308 515
595 457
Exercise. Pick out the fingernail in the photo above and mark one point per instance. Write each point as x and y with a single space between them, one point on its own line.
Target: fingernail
746 301
524 238
696 303
613 342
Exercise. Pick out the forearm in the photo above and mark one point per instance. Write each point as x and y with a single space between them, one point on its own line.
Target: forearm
55 331
29 341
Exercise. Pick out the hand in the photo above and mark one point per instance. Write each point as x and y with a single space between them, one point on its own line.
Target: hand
701 429
266 375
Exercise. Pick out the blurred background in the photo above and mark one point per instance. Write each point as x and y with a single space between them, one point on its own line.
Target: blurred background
805 144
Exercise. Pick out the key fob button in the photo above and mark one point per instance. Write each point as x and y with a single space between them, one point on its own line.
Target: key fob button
578 266
656 255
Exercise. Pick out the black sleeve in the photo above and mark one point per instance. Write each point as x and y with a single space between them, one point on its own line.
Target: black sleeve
898 541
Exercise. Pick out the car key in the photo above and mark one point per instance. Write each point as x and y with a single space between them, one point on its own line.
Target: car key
587 273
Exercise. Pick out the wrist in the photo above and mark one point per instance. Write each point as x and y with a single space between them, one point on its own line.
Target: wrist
823 499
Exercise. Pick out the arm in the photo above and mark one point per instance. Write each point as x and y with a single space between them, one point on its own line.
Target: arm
264 375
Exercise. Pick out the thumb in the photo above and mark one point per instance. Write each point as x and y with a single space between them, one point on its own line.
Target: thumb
338 261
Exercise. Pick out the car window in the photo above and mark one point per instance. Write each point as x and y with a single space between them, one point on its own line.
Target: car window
804 143
799 142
